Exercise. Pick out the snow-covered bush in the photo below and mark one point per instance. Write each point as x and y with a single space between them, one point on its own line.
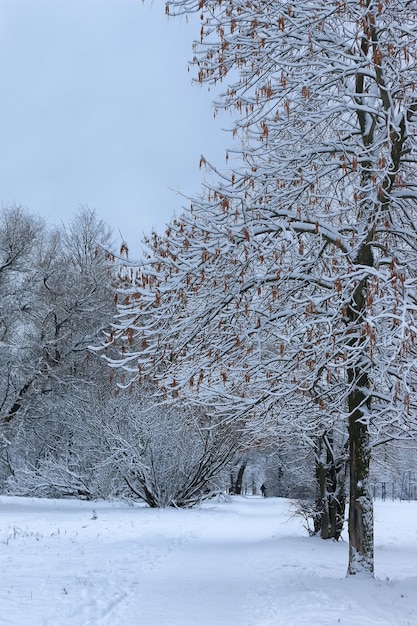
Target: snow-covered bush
169 454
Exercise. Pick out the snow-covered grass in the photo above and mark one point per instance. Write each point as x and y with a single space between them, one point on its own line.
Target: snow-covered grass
240 563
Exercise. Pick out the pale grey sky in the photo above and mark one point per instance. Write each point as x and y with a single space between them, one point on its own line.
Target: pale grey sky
97 109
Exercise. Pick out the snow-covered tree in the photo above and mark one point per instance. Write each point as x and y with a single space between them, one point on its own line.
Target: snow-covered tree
20 233
290 284
167 454
58 300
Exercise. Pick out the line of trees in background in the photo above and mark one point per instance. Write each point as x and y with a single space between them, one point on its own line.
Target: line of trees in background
64 428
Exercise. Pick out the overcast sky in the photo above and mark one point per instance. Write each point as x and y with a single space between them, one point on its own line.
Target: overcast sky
97 109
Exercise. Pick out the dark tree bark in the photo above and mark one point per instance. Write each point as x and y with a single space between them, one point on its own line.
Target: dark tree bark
236 485
239 480
361 532
331 485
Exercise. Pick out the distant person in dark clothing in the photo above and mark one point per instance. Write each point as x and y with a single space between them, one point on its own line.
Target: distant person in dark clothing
263 490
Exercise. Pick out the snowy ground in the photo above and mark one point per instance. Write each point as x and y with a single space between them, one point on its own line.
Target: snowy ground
245 563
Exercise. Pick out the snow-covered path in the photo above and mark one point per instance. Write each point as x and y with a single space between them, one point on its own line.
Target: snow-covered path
245 563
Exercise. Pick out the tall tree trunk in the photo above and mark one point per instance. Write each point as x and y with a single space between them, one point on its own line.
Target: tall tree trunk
361 523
